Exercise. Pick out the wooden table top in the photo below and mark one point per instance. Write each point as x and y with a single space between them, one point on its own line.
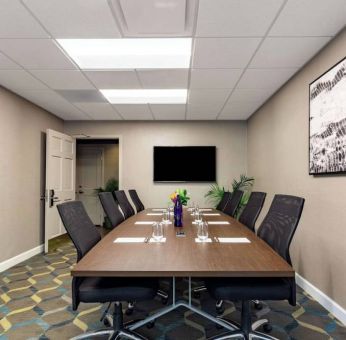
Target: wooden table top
182 256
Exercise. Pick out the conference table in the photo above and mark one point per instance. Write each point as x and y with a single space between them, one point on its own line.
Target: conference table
232 250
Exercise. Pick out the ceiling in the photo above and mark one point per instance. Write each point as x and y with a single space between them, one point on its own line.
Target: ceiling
242 52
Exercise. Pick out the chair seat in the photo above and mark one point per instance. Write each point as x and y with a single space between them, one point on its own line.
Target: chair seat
249 288
117 289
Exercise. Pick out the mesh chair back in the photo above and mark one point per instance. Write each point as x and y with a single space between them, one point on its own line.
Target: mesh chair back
136 201
226 196
110 208
124 203
233 203
280 224
252 210
79 226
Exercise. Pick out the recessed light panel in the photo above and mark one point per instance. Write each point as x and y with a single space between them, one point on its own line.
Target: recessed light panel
176 96
129 53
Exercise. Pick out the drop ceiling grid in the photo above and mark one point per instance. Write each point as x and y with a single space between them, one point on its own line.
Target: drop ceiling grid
35 30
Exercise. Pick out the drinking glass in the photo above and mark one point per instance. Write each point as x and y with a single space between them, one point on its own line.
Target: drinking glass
202 231
157 231
198 217
165 217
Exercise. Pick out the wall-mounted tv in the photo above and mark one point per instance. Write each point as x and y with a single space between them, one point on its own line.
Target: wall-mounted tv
184 164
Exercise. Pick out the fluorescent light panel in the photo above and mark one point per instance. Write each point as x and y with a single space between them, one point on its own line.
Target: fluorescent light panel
129 53
176 96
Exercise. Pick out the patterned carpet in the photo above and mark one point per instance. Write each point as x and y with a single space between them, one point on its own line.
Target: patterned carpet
35 303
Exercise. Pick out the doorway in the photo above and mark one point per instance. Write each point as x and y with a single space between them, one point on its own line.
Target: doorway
97 163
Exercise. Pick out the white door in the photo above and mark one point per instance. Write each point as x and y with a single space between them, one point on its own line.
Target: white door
60 180
89 178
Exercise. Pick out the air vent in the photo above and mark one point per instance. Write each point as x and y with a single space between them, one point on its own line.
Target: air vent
155 18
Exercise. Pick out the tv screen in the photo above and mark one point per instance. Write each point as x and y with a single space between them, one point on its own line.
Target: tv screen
184 163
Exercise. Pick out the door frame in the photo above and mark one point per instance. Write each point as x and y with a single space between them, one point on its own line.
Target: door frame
101 137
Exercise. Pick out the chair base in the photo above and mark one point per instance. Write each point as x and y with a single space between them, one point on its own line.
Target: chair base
112 335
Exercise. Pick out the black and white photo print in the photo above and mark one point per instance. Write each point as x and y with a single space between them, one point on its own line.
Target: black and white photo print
328 121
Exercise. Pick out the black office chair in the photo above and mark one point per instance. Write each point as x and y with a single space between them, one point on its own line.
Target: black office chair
233 203
226 196
277 229
110 208
252 209
124 203
85 236
136 201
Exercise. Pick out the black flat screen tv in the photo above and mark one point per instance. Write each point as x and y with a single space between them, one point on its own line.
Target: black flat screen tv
184 164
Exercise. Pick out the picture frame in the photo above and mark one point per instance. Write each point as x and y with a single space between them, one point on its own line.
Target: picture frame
327 121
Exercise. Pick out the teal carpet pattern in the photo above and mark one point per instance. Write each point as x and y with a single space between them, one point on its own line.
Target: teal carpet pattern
35 303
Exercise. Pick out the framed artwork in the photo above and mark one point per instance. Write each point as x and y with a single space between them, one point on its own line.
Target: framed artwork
327 121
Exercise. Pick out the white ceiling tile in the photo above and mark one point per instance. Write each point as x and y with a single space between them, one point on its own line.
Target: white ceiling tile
214 78
134 111
163 79
168 112
63 79
54 103
208 98
201 115
17 22
223 52
252 95
36 53
7 63
238 110
114 79
287 52
20 79
222 18
75 18
310 18
265 78
99 111
202 110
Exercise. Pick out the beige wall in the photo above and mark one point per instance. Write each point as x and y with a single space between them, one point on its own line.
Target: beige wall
278 159
22 172
138 139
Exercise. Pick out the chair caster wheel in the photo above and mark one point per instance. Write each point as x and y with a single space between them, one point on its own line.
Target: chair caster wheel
258 306
267 327
129 311
164 301
150 324
220 310
106 322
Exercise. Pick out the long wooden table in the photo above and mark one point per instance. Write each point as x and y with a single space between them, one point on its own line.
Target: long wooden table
182 256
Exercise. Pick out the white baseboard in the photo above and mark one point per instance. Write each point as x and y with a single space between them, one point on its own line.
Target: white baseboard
329 304
20 258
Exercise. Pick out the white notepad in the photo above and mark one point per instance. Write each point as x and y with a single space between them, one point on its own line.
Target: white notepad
206 209
208 240
196 222
145 222
218 222
163 240
211 214
129 240
154 214
158 209
233 240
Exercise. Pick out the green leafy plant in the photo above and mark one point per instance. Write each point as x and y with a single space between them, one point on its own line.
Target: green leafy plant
182 195
111 185
215 194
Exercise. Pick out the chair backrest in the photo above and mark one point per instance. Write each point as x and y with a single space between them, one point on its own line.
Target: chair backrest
280 223
79 226
111 208
124 203
136 201
226 196
233 203
252 210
